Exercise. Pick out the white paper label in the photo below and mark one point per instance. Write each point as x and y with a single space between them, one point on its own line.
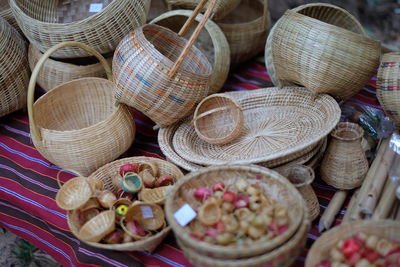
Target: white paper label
185 215
96 7
147 212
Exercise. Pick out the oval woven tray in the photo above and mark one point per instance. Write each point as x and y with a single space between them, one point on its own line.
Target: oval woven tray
277 123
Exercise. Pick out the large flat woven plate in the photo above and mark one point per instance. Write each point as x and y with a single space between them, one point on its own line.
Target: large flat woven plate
277 123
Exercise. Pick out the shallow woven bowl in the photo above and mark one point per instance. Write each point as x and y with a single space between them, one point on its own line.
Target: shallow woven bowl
218 119
321 47
154 195
137 212
274 186
98 227
322 246
74 194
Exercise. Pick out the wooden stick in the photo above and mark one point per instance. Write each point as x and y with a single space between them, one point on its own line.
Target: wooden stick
387 200
330 212
350 211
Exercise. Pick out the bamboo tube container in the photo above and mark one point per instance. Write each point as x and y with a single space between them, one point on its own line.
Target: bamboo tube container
387 200
350 214
333 208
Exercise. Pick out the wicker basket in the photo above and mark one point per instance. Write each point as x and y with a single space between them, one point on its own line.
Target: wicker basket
321 47
55 72
74 194
84 130
14 71
152 221
246 29
105 174
47 23
283 256
321 248
98 227
222 7
6 13
155 195
273 184
388 85
211 41
149 80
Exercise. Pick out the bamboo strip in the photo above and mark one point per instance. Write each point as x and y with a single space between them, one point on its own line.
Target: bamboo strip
350 214
330 212
387 200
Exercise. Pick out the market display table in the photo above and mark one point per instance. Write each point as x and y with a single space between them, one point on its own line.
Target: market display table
28 187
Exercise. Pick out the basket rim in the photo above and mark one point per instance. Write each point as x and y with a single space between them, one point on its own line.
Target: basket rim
116 109
228 249
245 24
358 130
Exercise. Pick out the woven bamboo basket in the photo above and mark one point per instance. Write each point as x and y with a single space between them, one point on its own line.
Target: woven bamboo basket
150 82
345 164
155 195
105 174
14 71
283 256
222 7
47 23
98 227
74 194
6 13
56 72
321 47
246 29
151 222
321 248
211 41
84 129
388 85
273 184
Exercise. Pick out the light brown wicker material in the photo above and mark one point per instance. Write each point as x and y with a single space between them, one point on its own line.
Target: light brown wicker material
47 23
160 73
246 29
283 256
56 72
14 71
345 164
388 85
74 194
151 223
274 186
315 49
218 119
77 125
6 13
321 248
222 7
154 195
98 227
277 123
212 42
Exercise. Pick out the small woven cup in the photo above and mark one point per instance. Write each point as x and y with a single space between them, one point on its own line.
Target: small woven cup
98 227
218 119
74 194
155 195
149 215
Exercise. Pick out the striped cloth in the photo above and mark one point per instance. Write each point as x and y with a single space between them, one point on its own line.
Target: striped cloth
28 186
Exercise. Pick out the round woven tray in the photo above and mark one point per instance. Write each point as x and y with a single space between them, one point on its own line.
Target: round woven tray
277 123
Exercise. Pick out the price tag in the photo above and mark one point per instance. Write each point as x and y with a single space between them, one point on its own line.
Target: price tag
95 7
147 212
185 215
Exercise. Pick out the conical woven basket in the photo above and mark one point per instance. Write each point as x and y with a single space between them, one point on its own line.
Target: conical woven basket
211 41
273 184
321 47
55 72
47 23
74 194
98 227
388 85
322 247
246 29
77 125
14 71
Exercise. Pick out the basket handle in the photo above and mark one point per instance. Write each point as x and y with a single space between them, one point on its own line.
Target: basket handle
32 83
63 170
209 112
195 34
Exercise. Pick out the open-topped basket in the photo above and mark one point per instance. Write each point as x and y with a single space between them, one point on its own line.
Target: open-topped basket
47 23
6 13
272 185
77 124
160 73
323 48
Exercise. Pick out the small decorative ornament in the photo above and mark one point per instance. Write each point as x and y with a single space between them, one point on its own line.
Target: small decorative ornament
132 183
121 210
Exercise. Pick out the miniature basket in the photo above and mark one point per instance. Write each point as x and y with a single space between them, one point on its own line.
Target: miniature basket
218 119
321 47
14 71
345 164
150 216
144 80
56 72
388 85
222 7
98 227
105 173
155 195
74 194
47 23
283 256
77 125
246 29
321 248
273 184
280 125
211 41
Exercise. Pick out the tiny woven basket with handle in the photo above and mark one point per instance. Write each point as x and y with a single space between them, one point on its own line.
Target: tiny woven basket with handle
77 125
160 73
